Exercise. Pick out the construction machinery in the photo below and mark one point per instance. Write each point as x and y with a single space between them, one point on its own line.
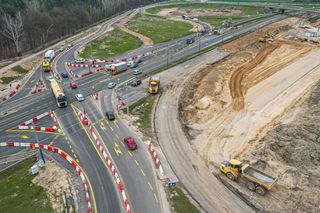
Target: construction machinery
255 180
46 66
154 85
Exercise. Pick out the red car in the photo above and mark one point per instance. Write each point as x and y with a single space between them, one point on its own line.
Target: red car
73 85
131 143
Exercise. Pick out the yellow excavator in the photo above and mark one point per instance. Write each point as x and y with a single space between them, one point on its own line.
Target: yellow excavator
255 180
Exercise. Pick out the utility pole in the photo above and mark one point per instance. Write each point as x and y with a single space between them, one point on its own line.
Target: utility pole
40 151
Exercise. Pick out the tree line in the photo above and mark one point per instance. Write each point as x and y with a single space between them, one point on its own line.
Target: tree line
28 26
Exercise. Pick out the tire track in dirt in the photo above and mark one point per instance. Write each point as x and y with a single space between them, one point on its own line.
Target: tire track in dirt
248 75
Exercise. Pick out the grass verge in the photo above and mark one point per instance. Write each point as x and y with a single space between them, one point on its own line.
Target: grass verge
7 80
245 10
19 194
112 44
143 110
180 202
159 29
20 69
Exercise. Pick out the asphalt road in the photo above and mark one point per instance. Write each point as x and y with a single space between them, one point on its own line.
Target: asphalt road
135 167
23 107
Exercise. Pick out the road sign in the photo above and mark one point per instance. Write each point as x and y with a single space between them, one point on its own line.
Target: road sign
41 163
172 184
34 169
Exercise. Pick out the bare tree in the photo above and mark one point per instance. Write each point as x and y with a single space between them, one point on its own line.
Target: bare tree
12 28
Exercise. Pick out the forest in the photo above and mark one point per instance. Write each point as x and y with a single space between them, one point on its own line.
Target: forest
30 25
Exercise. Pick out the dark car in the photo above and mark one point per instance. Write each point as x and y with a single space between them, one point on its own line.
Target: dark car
110 115
131 143
190 40
139 60
135 82
64 75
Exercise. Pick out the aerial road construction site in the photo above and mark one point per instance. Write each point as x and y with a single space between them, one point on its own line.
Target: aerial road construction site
172 107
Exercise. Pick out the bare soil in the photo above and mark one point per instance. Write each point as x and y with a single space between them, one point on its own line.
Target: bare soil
229 107
173 12
57 183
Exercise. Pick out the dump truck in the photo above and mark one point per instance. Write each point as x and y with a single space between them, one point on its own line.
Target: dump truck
46 66
154 85
49 55
255 180
118 67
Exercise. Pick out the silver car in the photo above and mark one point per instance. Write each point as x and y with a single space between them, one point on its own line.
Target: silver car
137 72
111 85
79 97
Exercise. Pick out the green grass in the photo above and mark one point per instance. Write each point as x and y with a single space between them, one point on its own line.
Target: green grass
159 29
245 10
145 106
115 43
236 1
7 80
19 69
18 194
181 203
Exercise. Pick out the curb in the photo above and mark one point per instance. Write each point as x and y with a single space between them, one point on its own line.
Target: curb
63 154
121 188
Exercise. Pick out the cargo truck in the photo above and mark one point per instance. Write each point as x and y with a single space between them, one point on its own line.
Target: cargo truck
46 66
49 55
118 67
255 179
154 85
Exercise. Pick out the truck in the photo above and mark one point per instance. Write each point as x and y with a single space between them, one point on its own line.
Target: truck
49 55
255 180
154 85
118 67
46 66
58 93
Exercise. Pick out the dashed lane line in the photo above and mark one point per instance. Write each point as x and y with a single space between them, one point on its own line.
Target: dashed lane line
155 197
142 172
150 186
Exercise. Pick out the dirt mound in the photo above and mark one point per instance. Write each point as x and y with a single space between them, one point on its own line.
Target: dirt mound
291 150
57 183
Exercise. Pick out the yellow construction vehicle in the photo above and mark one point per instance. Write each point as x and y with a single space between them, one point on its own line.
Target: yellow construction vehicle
154 85
255 179
46 66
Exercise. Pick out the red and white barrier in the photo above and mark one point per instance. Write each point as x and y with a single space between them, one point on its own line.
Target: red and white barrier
95 96
52 128
122 59
84 65
88 123
39 87
62 154
155 157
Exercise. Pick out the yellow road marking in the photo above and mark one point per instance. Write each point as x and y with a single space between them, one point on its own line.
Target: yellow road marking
55 137
60 127
24 137
136 162
155 197
72 150
117 125
117 149
150 186
23 130
111 128
142 172
102 126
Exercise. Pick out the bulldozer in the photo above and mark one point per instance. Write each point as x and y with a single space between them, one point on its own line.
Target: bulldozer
255 180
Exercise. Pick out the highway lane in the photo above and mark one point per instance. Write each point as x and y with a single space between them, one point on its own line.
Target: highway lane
135 167
102 183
